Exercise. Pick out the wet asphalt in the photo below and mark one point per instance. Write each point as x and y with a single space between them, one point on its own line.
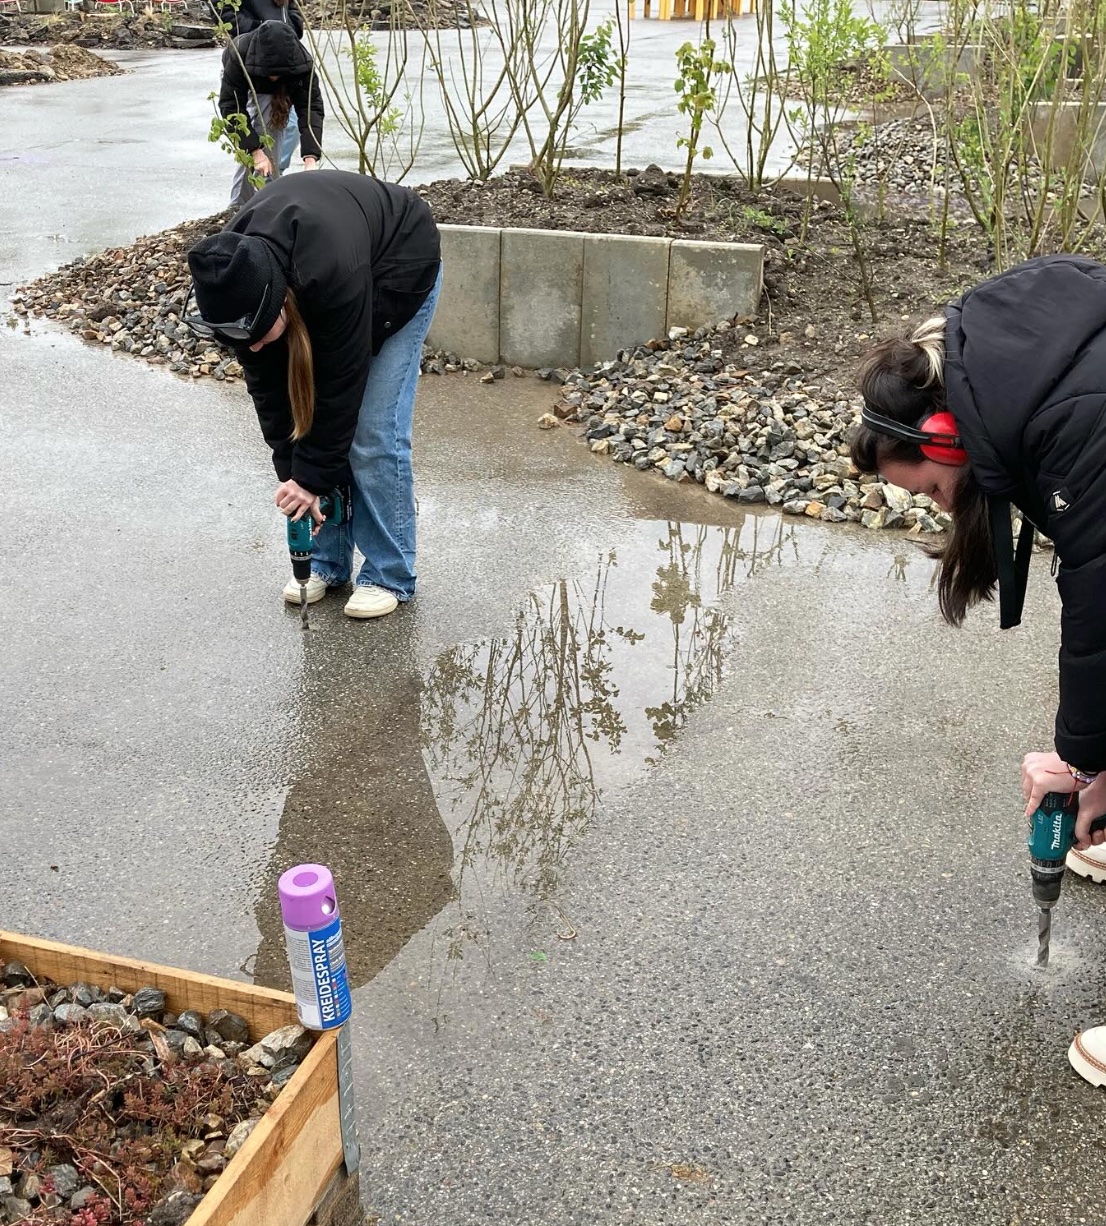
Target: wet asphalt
679 849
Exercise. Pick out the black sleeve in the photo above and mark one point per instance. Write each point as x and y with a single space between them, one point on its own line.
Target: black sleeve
1081 718
307 98
342 351
234 93
295 17
267 382
1071 485
240 17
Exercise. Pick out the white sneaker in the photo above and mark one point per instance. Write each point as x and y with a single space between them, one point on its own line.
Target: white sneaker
1090 862
316 590
370 601
1087 1055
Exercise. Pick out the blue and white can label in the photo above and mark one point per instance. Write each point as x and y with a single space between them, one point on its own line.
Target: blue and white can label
318 962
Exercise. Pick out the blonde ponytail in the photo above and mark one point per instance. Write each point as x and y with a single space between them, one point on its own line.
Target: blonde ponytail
301 369
929 337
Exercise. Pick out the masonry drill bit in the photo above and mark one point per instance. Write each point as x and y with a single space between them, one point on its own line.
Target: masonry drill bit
1044 935
303 605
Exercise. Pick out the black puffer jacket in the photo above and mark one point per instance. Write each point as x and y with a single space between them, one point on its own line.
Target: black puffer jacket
272 50
362 256
1025 372
249 14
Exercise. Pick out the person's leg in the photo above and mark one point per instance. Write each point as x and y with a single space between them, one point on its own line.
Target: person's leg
332 553
289 140
380 458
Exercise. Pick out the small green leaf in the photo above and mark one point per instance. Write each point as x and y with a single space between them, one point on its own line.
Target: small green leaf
538 955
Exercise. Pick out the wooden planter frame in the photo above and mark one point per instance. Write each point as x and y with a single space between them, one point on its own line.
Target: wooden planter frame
290 1170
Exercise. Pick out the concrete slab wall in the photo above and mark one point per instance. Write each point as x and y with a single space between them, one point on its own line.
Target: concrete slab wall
540 297
466 321
1078 136
625 294
537 298
932 67
712 281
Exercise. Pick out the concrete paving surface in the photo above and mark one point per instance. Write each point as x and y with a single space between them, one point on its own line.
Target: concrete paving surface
679 848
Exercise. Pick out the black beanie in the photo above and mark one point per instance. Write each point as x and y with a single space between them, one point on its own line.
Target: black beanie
230 272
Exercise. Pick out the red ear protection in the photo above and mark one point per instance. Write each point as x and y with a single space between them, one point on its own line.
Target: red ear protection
944 447
937 435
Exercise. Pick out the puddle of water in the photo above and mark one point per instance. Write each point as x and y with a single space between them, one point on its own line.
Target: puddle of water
431 792
443 794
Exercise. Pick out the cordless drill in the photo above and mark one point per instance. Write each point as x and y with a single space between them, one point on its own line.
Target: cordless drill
1051 834
300 535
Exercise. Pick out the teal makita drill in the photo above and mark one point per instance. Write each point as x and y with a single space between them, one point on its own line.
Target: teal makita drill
1051 834
300 535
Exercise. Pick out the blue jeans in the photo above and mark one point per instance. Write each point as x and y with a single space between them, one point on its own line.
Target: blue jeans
288 140
382 489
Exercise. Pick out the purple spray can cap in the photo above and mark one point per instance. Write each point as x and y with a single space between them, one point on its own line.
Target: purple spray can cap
307 896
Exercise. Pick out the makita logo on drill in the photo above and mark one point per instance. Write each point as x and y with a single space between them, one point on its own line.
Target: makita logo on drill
1057 832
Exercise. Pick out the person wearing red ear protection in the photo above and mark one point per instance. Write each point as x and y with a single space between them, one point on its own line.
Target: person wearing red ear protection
1001 402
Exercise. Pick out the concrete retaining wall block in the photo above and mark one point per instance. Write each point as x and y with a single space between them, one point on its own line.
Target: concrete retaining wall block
712 281
540 287
625 292
467 319
932 68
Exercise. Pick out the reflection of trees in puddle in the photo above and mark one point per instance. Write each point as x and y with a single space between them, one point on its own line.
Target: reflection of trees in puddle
699 633
522 733
508 725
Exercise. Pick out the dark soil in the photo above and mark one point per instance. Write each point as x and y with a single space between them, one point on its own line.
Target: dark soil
189 28
192 25
813 305
67 62
814 313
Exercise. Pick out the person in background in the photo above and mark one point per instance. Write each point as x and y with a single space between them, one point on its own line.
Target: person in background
325 285
246 15
266 74
1000 402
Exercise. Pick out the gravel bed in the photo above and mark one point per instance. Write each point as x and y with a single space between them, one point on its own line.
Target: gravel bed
678 407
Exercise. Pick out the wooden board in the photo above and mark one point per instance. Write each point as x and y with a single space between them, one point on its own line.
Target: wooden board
278 1176
265 1010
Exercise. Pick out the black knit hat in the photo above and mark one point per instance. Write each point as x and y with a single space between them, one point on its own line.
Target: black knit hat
230 273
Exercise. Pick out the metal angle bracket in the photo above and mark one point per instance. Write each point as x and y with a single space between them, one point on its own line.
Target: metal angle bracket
347 1111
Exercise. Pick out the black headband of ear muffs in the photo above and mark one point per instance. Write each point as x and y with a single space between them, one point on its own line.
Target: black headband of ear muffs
909 434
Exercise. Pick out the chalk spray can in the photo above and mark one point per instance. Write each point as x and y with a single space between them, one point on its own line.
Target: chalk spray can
316 955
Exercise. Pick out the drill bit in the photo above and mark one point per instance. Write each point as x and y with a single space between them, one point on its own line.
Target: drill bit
1044 935
303 609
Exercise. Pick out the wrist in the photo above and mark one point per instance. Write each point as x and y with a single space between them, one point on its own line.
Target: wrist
1085 778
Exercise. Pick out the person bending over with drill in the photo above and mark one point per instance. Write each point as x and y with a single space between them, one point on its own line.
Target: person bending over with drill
1003 401
325 285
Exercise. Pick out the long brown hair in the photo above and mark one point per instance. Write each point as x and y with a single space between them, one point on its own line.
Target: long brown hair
301 369
280 108
903 378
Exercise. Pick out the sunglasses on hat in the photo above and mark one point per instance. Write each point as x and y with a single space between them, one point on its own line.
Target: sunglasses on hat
233 332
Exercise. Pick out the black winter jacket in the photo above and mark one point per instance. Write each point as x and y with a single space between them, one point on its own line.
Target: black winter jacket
272 50
362 256
1025 374
249 14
